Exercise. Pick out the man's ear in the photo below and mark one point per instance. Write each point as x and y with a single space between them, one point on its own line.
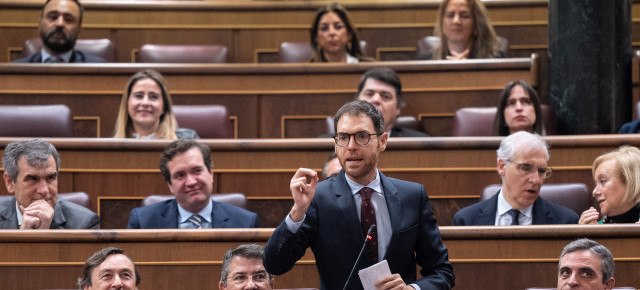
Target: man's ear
9 183
170 187
610 283
501 167
383 141
221 287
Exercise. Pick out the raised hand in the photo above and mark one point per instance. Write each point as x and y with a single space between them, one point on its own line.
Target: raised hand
303 188
589 217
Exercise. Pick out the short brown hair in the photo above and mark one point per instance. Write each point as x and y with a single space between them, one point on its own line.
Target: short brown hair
181 146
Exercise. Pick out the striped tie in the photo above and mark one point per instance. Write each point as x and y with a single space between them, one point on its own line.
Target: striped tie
196 220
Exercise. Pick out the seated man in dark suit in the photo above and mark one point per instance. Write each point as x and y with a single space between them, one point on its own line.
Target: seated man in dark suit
31 176
522 165
186 167
382 88
332 217
60 22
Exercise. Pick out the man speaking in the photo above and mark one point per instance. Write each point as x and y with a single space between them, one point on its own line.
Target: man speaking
333 216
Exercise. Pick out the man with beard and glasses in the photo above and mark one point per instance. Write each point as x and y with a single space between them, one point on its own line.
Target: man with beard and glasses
332 217
60 22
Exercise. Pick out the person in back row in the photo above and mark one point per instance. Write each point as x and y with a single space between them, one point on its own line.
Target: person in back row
522 165
382 88
518 110
333 38
465 32
31 170
60 23
146 110
187 169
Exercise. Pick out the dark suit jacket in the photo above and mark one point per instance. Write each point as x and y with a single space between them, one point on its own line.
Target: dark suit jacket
484 213
67 215
164 215
76 57
406 132
332 229
630 128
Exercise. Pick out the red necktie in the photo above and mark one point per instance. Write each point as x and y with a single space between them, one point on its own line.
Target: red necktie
367 218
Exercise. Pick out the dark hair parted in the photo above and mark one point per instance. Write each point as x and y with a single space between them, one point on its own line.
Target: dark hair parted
247 251
500 127
80 9
358 107
98 258
182 146
353 47
387 76
36 153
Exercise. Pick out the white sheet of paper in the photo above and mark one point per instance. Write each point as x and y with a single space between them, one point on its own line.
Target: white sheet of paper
370 275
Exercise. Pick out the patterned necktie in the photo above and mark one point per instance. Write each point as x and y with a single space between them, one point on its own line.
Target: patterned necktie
514 213
367 218
196 220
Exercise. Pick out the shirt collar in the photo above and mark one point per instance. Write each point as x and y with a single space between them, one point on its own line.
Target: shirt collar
205 212
352 59
66 57
375 184
504 207
18 214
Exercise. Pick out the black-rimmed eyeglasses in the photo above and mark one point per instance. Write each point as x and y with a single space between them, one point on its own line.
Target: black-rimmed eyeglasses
361 138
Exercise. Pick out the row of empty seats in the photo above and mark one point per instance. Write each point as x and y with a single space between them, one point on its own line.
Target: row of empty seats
209 121
290 52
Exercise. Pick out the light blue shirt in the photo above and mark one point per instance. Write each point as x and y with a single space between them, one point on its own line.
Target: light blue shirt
66 57
503 218
184 215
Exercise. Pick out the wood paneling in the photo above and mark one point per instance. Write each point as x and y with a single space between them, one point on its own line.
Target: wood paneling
453 170
267 99
247 27
485 257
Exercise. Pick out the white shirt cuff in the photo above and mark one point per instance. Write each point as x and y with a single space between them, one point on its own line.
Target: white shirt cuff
293 226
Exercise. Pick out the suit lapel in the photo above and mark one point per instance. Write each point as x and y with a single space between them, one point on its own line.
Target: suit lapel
8 218
169 215
394 205
540 213
219 216
487 214
347 206
59 220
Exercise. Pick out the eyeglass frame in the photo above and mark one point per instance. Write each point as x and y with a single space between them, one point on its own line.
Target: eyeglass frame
267 278
546 174
335 137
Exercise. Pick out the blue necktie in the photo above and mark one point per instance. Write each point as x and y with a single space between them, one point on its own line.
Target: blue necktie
514 213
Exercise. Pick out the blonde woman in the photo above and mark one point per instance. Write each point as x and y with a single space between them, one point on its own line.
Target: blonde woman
145 110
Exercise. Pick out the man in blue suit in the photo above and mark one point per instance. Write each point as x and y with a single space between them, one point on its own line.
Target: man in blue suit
332 217
522 165
186 167
60 23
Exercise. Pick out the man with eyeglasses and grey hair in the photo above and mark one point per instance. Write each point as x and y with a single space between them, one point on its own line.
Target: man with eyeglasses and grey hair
586 264
333 217
522 165
242 269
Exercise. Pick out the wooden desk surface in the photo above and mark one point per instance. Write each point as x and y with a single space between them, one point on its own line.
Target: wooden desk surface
265 100
483 257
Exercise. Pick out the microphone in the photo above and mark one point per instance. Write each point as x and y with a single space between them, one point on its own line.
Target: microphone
366 240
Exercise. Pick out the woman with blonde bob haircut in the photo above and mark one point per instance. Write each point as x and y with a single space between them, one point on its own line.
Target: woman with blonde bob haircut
617 192
465 31
145 110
